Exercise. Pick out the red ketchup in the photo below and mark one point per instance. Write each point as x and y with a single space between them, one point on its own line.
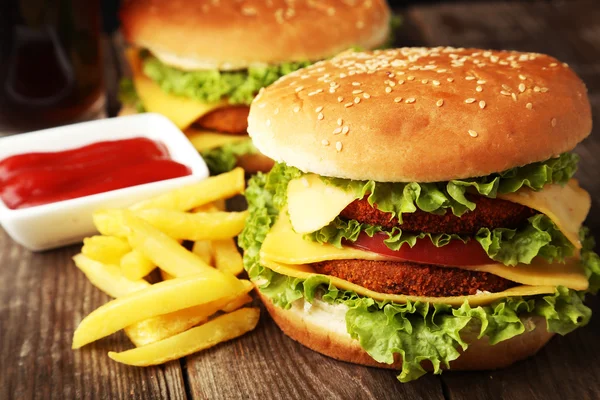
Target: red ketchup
33 179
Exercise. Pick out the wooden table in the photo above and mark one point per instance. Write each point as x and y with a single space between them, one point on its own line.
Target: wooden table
43 296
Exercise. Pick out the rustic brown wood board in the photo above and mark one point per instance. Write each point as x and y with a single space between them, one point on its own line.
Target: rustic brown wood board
43 296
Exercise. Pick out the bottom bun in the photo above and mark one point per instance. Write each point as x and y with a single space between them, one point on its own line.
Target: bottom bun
319 334
253 163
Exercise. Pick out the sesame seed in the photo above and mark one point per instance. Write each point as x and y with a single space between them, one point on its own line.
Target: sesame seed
522 77
337 130
506 87
425 81
366 95
439 103
357 100
355 83
470 100
357 91
331 90
481 82
348 104
479 89
296 109
388 89
435 83
514 96
325 142
553 64
345 130
320 116
340 99
482 104
553 122
319 109
340 121
544 89
410 100
472 133
450 80
410 78
470 78
529 106
536 89
521 87
299 89
504 92
315 92
397 99
401 82
338 146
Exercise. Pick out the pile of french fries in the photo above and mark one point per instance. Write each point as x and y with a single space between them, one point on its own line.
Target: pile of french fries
196 305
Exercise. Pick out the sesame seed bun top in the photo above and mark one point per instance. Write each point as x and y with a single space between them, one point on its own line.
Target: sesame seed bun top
204 34
425 115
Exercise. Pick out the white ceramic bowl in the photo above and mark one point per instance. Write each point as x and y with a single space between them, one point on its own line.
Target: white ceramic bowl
57 224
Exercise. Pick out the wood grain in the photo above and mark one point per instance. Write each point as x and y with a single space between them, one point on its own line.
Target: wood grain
43 297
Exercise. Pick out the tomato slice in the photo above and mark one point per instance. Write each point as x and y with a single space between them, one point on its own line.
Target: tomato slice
456 253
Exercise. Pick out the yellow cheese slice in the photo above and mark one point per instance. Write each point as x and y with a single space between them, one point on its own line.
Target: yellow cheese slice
283 245
567 206
203 140
181 110
312 204
304 272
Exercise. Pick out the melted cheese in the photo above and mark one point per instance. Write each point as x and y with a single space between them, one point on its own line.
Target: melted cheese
567 206
313 204
181 110
203 140
284 246
304 272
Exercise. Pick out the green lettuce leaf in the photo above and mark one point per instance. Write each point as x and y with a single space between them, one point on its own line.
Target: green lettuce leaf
210 86
128 96
540 236
224 158
416 331
436 198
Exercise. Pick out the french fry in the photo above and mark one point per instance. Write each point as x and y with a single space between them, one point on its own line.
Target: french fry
108 278
165 275
199 226
217 205
227 256
239 302
106 249
189 197
135 265
158 299
204 250
163 326
164 251
110 222
220 329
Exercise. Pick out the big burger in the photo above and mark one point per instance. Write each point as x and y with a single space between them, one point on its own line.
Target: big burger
201 62
422 213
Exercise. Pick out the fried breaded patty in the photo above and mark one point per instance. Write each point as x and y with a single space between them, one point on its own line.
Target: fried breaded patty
489 213
231 119
413 279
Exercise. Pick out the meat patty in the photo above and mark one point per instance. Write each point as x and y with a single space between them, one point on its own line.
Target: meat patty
231 119
413 279
489 213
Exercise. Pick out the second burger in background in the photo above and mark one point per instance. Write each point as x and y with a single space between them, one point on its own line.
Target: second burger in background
201 62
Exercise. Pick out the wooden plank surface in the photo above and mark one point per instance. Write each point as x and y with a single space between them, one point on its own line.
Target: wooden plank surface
43 296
